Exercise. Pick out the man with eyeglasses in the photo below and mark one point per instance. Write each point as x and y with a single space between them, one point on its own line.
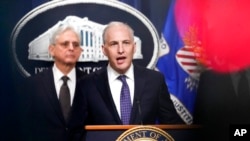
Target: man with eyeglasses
50 98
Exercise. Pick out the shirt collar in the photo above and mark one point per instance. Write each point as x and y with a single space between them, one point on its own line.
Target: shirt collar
112 74
58 74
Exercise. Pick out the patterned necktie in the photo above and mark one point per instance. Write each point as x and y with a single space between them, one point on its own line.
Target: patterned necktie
64 98
125 101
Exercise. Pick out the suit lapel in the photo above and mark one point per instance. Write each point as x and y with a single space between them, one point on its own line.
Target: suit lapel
50 92
79 75
139 84
101 80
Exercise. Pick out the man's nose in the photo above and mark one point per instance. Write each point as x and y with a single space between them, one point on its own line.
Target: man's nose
71 46
120 48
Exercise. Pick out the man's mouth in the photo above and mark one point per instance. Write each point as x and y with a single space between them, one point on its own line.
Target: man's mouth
120 59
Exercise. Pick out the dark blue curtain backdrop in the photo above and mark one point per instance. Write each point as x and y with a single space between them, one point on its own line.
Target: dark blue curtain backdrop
11 11
155 10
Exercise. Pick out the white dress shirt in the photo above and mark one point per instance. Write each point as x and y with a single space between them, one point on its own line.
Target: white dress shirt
236 78
116 85
71 82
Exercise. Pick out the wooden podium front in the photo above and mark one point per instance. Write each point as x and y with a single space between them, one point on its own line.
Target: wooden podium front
112 132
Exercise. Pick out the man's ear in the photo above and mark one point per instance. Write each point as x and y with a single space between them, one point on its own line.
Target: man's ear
134 47
104 50
51 50
81 49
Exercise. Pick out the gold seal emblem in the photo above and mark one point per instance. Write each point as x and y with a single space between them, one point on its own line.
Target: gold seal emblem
145 133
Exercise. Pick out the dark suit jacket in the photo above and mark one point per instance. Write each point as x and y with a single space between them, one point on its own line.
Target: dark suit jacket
217 105
151 102
43 118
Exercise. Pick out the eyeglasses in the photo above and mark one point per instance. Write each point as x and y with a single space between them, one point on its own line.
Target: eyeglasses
67 44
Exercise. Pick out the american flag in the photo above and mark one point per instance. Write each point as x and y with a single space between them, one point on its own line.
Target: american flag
186 57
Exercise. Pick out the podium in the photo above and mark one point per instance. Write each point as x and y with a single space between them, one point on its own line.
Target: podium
112 132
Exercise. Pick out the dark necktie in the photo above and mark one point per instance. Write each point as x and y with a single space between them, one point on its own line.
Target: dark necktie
64 98
243 86
125 101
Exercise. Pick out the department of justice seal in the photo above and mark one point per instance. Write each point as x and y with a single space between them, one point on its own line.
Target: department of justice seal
145 133
30 37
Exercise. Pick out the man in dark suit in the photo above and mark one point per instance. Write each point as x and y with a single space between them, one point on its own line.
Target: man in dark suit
49 100
99 93
221 103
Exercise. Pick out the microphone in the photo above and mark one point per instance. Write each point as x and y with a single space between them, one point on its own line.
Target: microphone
139 110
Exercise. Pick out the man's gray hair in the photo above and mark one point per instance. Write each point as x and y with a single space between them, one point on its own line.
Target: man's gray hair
116 23
62 28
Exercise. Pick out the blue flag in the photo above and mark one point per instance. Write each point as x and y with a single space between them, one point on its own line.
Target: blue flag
178 64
